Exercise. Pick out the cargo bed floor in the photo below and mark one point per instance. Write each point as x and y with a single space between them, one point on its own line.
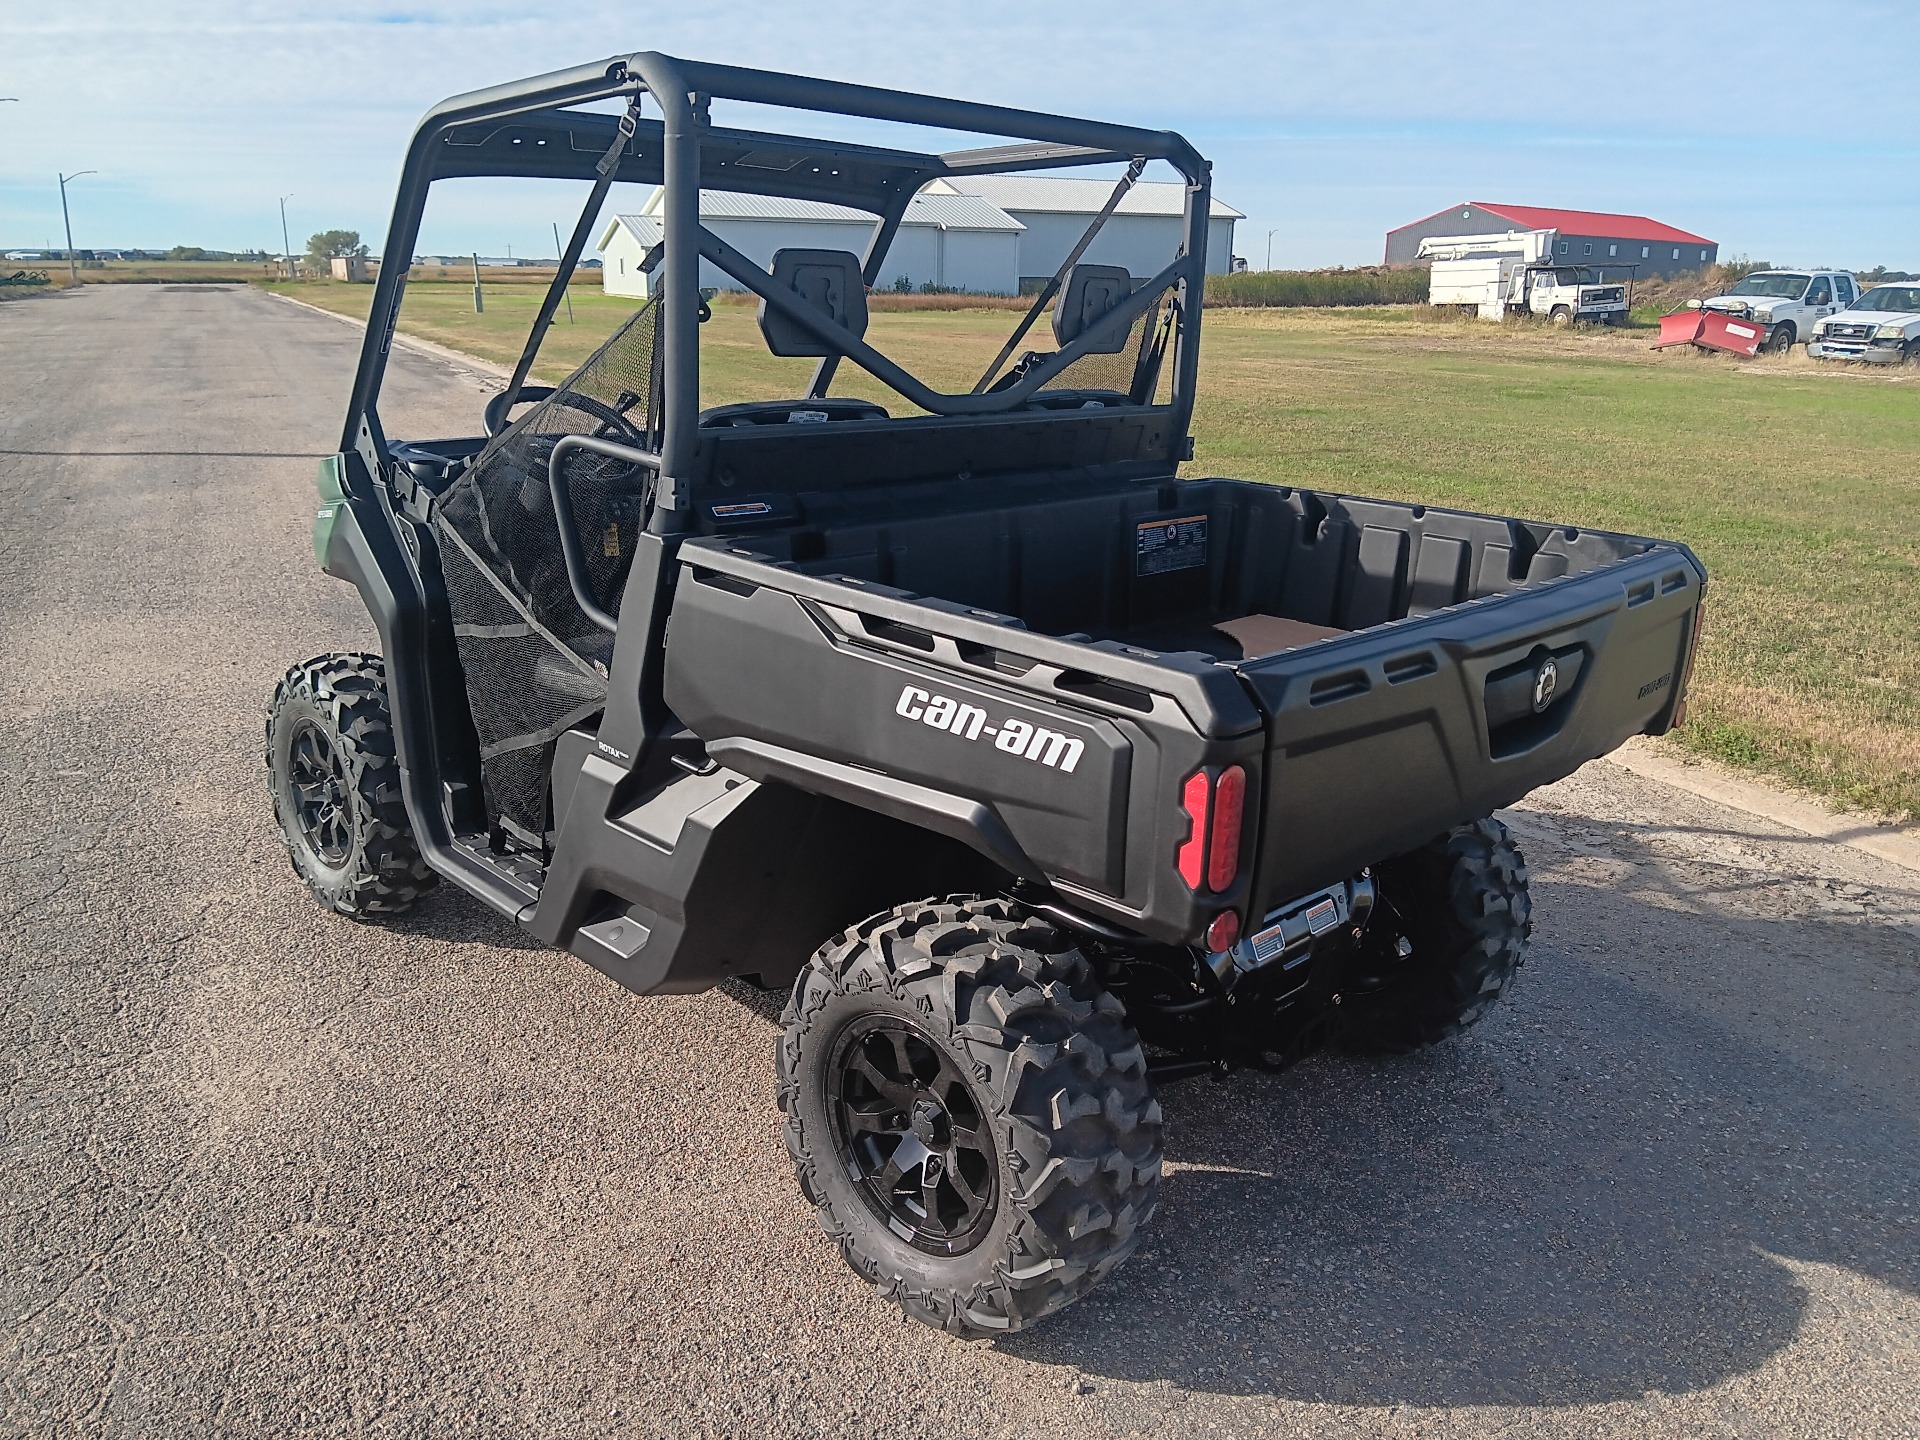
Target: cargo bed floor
1244 637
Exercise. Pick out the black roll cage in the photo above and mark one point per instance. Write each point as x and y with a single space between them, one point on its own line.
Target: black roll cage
532 129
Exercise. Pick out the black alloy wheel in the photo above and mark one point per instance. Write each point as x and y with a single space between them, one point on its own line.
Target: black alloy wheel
333 774
320 784
969 1111
909 1129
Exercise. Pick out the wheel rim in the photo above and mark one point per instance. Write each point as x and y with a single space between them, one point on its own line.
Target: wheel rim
317 776
912 1135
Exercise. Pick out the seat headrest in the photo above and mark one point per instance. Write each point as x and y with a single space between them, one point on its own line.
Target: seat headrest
828 280
1091 292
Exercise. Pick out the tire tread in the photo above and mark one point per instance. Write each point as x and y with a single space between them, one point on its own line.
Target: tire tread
1465 898
385 874
1064 1078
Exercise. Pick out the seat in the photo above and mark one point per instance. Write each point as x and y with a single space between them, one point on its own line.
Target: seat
828 280
1091 293
790 412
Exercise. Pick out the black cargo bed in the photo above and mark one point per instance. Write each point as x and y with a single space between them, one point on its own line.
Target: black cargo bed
1381 659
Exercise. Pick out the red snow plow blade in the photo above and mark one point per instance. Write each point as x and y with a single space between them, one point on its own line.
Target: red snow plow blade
1711 330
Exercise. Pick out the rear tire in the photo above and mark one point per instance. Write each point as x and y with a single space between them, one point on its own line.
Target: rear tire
335 783
1463 905
969 1112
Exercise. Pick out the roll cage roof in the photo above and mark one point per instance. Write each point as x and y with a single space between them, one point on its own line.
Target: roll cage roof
532 129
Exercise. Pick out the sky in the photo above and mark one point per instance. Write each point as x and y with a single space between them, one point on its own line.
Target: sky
1787 132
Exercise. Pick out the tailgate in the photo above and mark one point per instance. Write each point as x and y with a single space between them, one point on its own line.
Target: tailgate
1379 741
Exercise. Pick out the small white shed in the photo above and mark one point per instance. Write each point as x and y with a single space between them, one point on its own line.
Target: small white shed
952 242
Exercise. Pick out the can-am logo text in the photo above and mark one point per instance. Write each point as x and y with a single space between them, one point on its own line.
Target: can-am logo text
1015 736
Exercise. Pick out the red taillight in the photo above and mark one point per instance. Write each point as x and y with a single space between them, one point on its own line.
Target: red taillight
1194 798
1223 854
1224 930
1686 670
1214 807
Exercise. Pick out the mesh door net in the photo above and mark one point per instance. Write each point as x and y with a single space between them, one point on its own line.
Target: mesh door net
1132 371
534 664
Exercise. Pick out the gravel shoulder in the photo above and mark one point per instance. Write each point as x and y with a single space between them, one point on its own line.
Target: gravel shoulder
265 1172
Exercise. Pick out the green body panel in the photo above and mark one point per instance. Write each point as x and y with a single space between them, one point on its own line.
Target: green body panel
333 497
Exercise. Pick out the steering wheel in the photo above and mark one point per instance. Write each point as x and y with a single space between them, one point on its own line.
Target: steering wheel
496 411
611 424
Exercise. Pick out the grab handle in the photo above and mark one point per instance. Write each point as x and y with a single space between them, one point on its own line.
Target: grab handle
570 552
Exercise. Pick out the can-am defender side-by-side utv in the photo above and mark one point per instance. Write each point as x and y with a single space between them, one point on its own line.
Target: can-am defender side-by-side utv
1081 775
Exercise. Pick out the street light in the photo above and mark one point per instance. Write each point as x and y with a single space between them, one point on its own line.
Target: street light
1270 234
73 266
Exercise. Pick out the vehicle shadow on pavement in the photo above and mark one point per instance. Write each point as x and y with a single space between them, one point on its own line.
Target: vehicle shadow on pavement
1579 1202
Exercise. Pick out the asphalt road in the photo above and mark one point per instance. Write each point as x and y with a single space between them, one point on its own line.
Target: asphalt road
265 1172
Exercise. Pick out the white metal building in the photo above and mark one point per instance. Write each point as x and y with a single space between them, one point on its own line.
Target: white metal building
1143 233
954 242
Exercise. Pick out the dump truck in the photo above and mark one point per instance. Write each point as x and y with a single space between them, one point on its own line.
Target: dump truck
1035 771
1513 274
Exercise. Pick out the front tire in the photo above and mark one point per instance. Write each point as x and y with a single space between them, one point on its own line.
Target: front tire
335 782
1562 317
1464 914
1780 339
969 1112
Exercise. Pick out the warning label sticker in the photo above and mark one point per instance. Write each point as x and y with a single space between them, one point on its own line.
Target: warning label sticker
1161 546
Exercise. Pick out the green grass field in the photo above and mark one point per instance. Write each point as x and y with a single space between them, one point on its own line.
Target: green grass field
1797 484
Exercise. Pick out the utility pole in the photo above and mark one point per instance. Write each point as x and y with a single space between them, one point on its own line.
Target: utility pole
73 265
479 304
568 292
286 245
1270 234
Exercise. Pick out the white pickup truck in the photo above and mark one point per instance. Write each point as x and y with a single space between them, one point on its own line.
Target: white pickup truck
1790 303
1501 275
1882 327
